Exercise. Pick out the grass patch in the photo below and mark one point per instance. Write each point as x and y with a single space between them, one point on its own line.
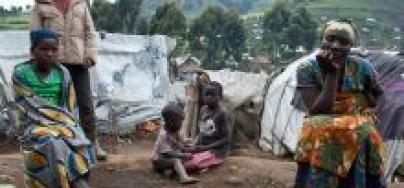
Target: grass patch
14 22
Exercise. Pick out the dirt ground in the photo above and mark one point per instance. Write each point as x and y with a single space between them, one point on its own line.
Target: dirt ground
128 166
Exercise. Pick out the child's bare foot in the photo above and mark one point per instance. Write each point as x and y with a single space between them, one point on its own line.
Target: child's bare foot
168 173
203 170
189 180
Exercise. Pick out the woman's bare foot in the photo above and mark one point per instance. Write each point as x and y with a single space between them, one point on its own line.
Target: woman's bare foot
100 154
189 180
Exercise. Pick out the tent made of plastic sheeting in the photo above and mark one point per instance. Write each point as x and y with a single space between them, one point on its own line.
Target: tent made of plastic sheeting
391 108
14 49
243 97
240 87
8 115
130 80
281 120
133 73
237 87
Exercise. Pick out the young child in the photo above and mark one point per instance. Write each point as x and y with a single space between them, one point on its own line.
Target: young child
169 152
213 128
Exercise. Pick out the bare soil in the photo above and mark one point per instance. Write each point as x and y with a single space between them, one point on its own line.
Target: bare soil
129 166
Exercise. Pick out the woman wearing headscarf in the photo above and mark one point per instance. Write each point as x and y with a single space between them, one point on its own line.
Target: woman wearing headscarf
338 143
55 149
71 19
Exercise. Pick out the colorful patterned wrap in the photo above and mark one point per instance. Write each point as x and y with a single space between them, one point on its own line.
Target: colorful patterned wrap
343 145
55 149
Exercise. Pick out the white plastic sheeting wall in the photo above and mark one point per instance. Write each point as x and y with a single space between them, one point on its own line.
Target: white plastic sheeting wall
281 121
131 71
240 87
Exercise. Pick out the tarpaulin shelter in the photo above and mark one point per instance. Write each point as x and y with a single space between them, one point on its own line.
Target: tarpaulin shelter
130 79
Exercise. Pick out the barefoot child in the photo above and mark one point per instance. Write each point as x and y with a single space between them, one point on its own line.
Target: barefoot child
169 151
213 133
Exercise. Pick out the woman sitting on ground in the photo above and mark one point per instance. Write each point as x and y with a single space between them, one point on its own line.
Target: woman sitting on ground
338 145
55 149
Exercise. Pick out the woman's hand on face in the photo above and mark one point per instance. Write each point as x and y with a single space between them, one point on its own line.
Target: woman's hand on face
327 62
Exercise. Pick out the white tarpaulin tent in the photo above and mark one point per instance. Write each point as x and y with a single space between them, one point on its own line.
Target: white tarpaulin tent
238 87
281 120
132 71
244 97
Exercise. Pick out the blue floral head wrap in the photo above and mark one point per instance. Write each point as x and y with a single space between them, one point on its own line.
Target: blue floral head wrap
38 35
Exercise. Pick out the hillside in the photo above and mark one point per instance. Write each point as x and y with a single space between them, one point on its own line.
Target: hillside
193 8
381 23
386 8
14 22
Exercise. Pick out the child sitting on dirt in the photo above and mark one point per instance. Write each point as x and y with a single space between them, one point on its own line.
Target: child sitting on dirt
213 128
169 152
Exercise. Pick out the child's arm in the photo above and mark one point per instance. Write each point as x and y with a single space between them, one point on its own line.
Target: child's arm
174 154
196 140
177 143
214 145
166 146
180 145
223 123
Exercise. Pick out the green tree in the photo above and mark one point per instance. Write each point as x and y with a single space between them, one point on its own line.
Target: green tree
3 11
301 30
14 10
28 7
168 20
127 11
104 16
216 36
142 27
276 20
287 28
120 16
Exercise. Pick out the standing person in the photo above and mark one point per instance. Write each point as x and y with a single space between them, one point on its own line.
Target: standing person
55 149
71 19
339 145
193 103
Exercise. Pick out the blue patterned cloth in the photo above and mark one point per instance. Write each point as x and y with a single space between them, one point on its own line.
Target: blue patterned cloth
359 75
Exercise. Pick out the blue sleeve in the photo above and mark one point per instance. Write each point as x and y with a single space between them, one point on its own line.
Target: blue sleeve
308 74
370 78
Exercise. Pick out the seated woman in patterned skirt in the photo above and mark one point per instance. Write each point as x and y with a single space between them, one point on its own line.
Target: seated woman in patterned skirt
55 149
338 144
